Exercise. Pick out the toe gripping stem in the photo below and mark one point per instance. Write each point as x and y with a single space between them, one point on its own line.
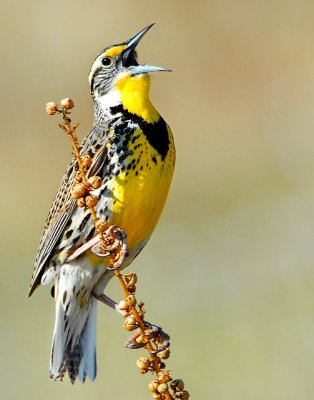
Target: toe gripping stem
115 239
115 243
154 334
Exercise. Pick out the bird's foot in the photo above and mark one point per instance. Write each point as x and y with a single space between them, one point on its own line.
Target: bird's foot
115 243
152 333
158 336
135 341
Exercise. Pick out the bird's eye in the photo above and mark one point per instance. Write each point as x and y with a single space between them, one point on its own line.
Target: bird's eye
107 61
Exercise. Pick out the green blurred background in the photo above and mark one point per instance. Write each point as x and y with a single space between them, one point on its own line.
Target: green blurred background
229 271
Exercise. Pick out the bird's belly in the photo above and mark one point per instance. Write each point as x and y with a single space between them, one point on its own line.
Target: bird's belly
137 202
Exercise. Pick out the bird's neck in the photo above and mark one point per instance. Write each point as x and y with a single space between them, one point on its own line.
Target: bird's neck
132 92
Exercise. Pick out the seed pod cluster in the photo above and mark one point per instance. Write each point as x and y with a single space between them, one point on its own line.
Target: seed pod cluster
144 364
51 108
164 377
130 278
162 387
67 103
159 386
184 395
164 354
130 300
91 200
81 192
130 324
101 225
177 386
81 202
152 337
86 161
95 182
153 386
130 281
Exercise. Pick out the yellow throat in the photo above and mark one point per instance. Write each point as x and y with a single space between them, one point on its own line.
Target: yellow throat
134 93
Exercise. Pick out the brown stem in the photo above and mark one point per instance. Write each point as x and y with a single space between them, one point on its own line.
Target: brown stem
73 139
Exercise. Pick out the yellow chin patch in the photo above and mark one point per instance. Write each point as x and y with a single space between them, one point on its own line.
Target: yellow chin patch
134 92
114 51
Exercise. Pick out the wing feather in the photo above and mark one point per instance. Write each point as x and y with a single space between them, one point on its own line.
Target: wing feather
64 205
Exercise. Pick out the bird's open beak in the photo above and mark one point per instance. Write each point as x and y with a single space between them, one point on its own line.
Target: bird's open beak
129 55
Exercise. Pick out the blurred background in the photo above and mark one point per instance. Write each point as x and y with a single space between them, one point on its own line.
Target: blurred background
229 271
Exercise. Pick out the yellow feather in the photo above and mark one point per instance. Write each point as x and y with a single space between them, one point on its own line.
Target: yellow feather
134 96
114 51
139 195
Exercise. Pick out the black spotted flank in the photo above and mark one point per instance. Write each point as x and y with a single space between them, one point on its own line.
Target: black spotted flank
68 234
156 133
83 223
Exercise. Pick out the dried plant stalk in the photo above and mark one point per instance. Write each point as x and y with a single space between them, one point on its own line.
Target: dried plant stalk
149 336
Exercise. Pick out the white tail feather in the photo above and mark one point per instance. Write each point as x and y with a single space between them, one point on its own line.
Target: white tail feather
74 336
88 365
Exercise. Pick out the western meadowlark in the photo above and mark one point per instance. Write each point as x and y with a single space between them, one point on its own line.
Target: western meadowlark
132 150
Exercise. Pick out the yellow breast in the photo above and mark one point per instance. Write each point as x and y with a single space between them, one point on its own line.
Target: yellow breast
139 193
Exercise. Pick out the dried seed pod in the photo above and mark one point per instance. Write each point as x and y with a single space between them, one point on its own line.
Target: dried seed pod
162 365
78 179
177 385
122 305
101 225
81 202
130 278
162 388
153 386
141 310
130 300
139 339
159 339
91 200
131 288
143 363
164 377
164 354
130 324
78 191
67 103
87 160
183 395
95 182
51 108
158 360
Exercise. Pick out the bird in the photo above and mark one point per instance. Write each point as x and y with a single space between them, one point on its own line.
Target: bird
132 150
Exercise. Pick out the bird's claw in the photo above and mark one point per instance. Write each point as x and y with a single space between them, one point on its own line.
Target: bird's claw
116 239
152 333
115 244
132 344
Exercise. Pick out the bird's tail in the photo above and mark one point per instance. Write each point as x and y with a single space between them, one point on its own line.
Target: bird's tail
74 336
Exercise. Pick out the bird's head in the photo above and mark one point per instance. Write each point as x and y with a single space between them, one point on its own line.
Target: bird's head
117 67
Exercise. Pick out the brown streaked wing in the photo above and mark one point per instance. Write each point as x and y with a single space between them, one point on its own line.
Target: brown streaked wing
63 205
60 212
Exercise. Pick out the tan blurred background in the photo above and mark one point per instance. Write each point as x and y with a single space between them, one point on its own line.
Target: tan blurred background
229 272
